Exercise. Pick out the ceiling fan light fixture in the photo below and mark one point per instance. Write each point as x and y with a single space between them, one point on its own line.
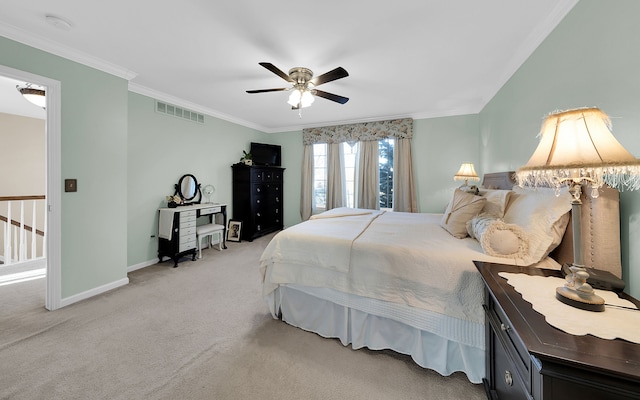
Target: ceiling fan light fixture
303 90
294 98
306 99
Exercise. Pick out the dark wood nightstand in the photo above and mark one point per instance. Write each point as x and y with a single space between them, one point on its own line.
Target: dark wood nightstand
529 359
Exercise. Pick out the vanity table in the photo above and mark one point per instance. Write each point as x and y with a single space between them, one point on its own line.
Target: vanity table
177 223
177 229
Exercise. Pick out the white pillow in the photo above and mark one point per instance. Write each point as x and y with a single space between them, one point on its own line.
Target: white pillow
497 201
543 216
462 207
498 238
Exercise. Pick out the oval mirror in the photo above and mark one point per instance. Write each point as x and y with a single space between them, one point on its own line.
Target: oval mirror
188 187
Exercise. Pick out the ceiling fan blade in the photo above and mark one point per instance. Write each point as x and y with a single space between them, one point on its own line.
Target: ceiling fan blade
276 71
267 90
332 75
331 96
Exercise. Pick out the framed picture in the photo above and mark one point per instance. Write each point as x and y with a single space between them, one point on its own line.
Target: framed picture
233 230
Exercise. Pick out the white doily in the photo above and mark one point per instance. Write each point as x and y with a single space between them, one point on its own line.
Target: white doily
613 323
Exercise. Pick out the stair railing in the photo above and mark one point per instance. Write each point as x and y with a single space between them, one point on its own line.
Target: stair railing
15 233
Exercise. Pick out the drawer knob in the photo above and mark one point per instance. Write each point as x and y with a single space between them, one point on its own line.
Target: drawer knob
508 379
505 328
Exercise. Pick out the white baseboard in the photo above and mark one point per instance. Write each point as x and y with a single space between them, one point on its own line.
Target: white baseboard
93 292
141 265
105 288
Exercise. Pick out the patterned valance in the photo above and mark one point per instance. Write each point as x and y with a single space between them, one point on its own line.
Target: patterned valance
398 128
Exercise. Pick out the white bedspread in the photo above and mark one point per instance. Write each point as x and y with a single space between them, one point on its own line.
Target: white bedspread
404 258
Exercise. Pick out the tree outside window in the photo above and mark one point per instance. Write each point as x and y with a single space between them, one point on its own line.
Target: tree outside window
386 173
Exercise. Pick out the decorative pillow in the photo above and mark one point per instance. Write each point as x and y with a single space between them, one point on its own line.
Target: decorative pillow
497 201
462 207
543 215
498 238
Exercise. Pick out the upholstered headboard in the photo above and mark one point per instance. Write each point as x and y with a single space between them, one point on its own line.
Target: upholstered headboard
600 225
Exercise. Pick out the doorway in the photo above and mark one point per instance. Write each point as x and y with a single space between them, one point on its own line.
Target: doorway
52 243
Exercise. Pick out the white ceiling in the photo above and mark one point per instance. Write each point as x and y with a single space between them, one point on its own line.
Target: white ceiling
406 58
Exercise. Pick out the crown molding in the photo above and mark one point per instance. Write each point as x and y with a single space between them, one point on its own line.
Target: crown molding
50 46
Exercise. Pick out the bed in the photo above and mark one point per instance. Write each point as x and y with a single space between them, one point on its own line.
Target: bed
407 282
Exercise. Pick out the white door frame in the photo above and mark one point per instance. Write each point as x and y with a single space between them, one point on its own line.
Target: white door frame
53 233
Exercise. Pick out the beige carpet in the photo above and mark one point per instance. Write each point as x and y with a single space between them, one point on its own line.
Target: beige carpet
200 331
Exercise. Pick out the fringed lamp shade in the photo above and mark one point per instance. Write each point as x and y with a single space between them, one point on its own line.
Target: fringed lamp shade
466 173
577 145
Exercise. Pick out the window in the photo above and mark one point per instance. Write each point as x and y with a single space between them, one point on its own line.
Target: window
350 163
319 177
350 158
385 147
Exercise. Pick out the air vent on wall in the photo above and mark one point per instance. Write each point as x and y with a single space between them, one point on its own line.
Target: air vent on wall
170 109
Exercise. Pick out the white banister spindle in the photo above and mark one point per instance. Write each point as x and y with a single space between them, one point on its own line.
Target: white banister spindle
4 236
15 239
33 229
22 248
46 222
7 237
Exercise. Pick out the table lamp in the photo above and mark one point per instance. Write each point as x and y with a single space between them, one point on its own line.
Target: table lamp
466 173
577 146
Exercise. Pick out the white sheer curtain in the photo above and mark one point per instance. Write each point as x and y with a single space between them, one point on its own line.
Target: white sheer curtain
306 195
335 177
368 182
404 188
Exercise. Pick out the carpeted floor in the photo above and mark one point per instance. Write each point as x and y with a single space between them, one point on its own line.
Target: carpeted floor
200 331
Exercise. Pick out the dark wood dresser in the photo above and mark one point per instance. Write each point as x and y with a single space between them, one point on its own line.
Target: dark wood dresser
529 359
257 199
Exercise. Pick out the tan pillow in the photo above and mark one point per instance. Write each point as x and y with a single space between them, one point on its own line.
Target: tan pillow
497 201
462 207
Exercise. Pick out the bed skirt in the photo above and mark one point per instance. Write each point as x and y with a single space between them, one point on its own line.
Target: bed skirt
378 325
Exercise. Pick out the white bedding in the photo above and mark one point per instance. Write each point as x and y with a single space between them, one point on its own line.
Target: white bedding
403 258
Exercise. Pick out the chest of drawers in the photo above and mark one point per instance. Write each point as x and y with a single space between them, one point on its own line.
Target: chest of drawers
529 359
258 199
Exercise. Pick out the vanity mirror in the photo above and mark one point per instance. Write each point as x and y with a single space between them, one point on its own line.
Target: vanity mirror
188 189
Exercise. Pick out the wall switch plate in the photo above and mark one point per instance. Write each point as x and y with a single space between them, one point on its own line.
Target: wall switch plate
70 185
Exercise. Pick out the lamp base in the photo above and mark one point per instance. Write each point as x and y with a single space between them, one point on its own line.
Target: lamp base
586 301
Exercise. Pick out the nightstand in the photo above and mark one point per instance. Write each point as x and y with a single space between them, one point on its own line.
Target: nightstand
529 359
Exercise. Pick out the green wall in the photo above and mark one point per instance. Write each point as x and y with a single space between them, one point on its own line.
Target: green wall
162 148
93 139
591 59
439 146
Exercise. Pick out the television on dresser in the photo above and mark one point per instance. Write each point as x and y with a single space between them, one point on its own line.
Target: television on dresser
265 154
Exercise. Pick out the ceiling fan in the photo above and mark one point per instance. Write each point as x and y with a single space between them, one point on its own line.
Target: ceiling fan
304 85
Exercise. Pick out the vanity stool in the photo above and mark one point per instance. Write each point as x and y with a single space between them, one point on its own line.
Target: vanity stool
207 232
